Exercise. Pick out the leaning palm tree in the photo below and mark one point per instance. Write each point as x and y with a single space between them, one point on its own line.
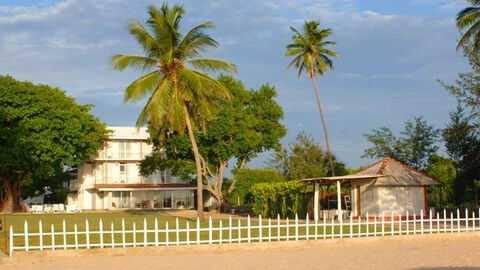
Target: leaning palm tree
469 19
181 96
310 52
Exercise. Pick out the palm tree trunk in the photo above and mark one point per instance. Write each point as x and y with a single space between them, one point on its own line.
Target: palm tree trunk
327 140
198 165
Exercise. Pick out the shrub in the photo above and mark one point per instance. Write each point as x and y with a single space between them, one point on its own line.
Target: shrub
246 178
280 198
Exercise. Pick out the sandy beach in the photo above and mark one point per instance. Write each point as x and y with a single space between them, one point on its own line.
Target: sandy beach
452 251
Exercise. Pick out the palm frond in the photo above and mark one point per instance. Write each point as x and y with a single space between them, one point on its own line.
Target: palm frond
210 64
141 34
144 85
136 62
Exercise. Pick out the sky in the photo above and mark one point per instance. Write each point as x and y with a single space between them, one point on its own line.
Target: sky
391 54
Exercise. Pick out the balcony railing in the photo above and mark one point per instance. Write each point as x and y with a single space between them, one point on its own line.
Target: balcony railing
109 155
129 180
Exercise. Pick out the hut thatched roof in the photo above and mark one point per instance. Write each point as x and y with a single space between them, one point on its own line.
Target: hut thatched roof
395 173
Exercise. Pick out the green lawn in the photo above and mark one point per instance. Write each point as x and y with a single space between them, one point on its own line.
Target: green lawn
137 218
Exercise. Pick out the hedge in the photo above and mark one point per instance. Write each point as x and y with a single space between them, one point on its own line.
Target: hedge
246 178
280 198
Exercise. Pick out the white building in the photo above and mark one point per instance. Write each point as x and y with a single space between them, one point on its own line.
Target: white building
112 179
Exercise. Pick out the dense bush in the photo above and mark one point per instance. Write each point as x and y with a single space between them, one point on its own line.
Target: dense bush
284 198
246 178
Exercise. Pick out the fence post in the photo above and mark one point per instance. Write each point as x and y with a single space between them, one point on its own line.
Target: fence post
210 230
451 221
269 229
177 232
400 224
87 234
306 227
407 223
166 234
145 236
368 225
430 216
100 226
374 225
383 223
296 227
466 219
123 232
414 223
333 228
278 227
458 220
351 226
10 234
444 220
220 232
75 233
230 229
340 218
316 229
288 229
112 234
64 235
40 234
421 221
52 231
188 233
26 235
198 231
473 220
239 229
134 234
156 231
324 226
248 229
260 228
392 224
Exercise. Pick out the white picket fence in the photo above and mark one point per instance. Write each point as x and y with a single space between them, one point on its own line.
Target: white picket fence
236 232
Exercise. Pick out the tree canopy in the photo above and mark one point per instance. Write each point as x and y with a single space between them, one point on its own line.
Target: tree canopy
418 141
303 158
247 125
42 131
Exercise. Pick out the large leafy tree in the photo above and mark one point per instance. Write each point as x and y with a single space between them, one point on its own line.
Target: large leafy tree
42 131
303 158
417 143
247 125
311 55
462 142
468 22
181 96
443 170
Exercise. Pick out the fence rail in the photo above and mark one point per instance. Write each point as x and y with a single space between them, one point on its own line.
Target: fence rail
236 231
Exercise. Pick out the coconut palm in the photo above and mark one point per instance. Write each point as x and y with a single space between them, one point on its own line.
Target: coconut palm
181 96
469 19
311 55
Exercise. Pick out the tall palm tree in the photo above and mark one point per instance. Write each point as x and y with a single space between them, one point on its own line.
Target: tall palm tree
181 96
469 19
310 52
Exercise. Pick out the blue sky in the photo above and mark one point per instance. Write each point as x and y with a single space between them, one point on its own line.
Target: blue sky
391 55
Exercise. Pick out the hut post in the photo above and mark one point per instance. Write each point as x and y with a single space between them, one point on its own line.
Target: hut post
339 199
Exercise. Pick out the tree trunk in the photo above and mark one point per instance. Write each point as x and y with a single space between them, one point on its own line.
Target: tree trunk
10 197
327 140
198 164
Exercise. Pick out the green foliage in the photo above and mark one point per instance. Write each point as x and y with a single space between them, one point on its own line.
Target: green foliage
279 198
414 147
303 158
462 141
467 87
245 179
443 170
247 125
42 130
310 50
468 21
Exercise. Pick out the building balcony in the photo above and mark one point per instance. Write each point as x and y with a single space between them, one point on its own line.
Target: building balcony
109 155
130 180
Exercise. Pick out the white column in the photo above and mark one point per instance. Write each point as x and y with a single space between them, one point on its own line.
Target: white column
339 199
315 200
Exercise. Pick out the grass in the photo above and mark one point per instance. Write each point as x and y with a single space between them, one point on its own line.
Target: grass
138 218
